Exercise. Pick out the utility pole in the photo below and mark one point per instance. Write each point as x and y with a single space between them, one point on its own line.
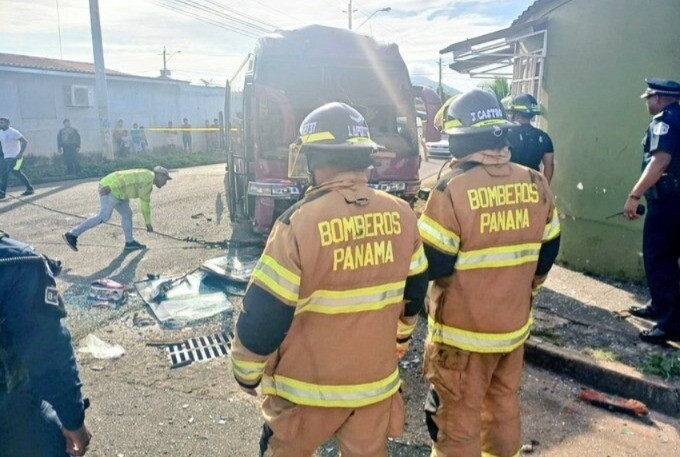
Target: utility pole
100 77
440 89
165 73
349 15
165 64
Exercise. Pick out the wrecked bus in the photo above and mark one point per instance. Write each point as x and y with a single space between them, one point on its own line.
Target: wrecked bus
289 74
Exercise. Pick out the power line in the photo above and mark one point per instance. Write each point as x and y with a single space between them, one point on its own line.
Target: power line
247 16
207 20
230 18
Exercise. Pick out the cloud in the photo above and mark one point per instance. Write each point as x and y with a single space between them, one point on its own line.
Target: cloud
135 31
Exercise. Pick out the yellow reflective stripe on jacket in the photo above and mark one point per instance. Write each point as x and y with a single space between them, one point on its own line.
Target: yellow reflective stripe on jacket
504 256
331 396
354 300
277 278
404 330
247 370
437 236
535 290
418 262
314 137
552 228
477 341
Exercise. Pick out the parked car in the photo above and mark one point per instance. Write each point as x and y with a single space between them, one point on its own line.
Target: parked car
439 149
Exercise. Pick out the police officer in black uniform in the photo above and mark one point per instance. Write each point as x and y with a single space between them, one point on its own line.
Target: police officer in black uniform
42 410
660 184
530 146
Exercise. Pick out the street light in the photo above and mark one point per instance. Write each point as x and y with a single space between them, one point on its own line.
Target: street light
382 10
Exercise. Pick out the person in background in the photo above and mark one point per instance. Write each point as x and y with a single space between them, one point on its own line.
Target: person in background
145 142
115 192
42 410
216 133
68 143
186 136
171 137
530 146
13 146
117 136
660 184
136 138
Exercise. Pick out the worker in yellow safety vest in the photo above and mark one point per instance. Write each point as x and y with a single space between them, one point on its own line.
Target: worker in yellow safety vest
491 234
332 301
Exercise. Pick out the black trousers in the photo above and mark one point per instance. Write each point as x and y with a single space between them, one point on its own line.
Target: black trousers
71 159
661 251
9 168
28 426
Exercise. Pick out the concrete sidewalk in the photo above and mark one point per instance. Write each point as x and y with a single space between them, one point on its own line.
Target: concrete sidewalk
583 330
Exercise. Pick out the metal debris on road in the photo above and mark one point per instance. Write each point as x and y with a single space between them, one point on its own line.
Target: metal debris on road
198 349
100 349
179 300
237 265
106 292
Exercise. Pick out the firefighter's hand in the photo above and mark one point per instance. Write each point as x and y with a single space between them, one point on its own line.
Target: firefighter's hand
249 391
402 349
630 208
106 190
149 228
77 441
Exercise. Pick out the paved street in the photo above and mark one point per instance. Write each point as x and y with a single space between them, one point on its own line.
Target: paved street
140 407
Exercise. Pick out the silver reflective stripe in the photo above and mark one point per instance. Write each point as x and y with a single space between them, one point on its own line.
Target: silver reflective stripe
330 395
454 338
279 279
350 300
441 240
498 257
418 262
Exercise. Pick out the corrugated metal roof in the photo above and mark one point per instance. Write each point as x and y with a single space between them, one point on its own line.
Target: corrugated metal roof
43 63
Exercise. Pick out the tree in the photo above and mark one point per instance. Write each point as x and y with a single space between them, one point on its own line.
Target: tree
499 86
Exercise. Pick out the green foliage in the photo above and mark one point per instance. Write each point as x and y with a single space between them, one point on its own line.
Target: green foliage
665 364
498 86
44 169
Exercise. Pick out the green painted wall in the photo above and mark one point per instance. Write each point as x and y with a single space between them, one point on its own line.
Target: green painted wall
598 54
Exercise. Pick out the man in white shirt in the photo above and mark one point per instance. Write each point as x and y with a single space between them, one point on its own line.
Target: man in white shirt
13 146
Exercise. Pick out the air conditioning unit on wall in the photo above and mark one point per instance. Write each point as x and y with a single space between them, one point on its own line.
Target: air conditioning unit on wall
79 96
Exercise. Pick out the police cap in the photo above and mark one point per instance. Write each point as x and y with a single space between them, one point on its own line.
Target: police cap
658 86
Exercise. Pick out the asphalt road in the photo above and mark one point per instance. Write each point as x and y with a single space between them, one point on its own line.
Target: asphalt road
140 407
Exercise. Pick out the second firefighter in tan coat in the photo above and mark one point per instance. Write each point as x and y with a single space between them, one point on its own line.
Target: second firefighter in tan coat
491 234
332 301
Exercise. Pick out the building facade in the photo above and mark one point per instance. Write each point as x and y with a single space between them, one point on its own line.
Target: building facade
37 94
586 62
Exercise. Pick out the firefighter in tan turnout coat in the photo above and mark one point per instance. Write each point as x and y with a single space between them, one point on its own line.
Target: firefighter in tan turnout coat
332 301
491 234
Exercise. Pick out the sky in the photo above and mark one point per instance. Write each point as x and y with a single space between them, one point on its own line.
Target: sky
136 31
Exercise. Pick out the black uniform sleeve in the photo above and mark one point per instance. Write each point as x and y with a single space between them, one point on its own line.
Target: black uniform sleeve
547 256
264 322
415 292
440 265
547 144
40 340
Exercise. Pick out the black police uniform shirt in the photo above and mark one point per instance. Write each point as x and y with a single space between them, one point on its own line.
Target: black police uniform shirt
663 134
35 345
528 145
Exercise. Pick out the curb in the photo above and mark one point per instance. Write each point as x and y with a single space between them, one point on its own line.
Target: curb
658 395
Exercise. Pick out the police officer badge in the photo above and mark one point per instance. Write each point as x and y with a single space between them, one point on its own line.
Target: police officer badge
660 129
